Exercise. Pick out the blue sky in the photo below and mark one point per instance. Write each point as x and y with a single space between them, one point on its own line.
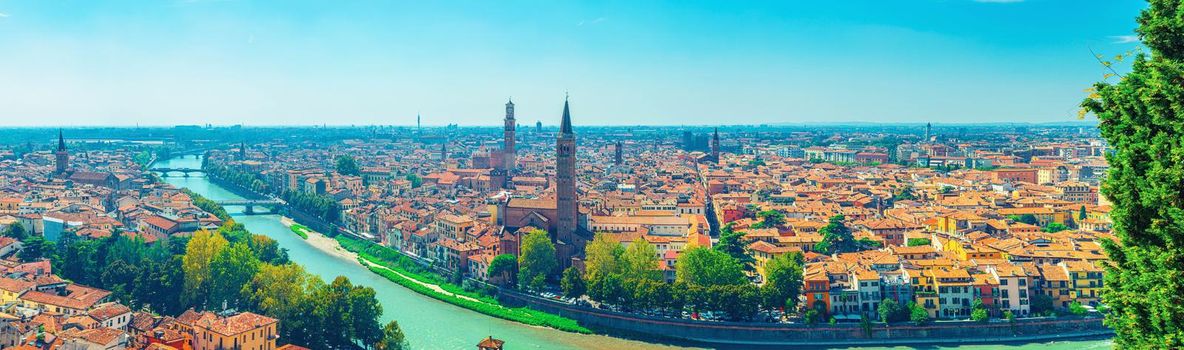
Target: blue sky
114 62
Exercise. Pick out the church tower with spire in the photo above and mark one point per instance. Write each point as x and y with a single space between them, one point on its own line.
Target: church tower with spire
619 156
566 203
509 157
715 146
62 157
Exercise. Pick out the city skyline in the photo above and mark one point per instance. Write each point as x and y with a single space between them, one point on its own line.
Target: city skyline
250 63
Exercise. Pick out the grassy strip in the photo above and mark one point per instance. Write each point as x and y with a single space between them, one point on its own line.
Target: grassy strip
300 230
373 253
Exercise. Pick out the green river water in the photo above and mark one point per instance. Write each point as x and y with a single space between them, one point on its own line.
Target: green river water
431 324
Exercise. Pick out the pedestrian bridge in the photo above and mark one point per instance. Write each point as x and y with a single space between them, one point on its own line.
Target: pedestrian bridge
250 204
165 172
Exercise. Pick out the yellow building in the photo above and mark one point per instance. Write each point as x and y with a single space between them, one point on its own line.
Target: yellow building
924 292
11 289
1085 281
1044 216
244 331
1056 285
958 221
762 252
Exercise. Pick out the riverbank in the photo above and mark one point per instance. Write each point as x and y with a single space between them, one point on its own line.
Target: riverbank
320 241
400 269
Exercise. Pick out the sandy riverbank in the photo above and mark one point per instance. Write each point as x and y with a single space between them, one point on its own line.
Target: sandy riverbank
331 246
323 242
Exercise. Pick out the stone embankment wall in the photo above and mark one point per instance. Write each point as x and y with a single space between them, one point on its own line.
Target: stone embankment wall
844 334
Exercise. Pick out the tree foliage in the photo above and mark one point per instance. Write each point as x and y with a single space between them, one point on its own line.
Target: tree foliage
232 265
503 267
320 206
572 283
914 242
891 311
837 238
732 243
16 231
917 314
392 338
979 311
640 261
1053 227
783 281
537 260
34 248
202 249
707 267
769 219
347 165
1142 118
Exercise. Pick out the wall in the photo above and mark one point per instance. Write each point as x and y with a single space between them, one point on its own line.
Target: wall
768 334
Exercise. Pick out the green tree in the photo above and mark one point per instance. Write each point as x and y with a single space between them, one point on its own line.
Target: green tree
602 257
502 268
1028 219
770 219
1077 309
811 316
890 311
119 276
783 281
913 242
537 260
230 270
279 291
200 251
608 288
364 311
650 294
1041 304
16 231
905 194
732 243
415 180
572 283
1082 214
706 267
640 261
392 338
1055 227
917 314
979 311
837 237
34 248
347 165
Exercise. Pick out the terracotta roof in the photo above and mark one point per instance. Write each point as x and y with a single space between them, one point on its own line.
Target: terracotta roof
15 285
490 343
109 311
237 324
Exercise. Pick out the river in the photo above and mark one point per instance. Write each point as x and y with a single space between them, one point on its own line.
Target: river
432 324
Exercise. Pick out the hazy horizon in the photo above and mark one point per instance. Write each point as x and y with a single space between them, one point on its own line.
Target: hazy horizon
227 62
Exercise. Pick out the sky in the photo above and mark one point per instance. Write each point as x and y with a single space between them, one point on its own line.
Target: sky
629 62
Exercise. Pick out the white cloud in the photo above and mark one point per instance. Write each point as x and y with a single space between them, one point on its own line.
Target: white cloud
999 1
1124 39
3 15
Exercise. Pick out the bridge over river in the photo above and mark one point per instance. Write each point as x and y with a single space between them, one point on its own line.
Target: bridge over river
250 204
166 172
